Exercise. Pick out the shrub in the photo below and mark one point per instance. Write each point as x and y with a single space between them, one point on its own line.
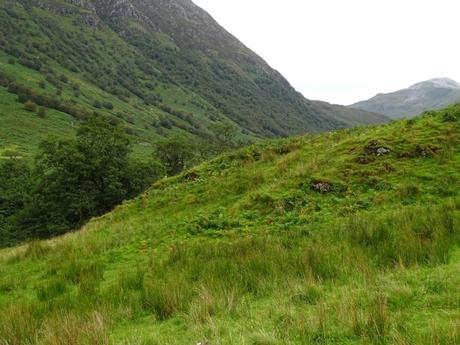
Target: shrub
176 153
31 63
75 86
210 224
262 201
63 78
41 112
30 106
451 115
108 105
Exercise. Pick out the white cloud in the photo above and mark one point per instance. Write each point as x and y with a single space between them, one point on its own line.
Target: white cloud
344 51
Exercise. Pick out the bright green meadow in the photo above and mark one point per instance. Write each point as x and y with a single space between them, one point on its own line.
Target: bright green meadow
348 237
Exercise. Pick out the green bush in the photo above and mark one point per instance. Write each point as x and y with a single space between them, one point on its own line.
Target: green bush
41 112
30 106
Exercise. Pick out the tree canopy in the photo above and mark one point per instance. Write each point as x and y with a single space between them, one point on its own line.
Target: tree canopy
71 181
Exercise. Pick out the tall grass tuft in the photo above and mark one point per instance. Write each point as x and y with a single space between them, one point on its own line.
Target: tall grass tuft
18 325
51 289
36 250
69 329
410 236
378 323
166 297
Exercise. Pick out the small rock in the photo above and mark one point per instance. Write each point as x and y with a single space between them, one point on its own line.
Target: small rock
322 187
365 159
191 176
376 148
382 151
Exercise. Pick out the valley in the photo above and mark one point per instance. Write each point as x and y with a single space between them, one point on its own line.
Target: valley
162 184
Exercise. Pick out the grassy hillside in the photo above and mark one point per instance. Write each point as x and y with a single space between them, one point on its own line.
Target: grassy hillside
59 79
142 68
349 237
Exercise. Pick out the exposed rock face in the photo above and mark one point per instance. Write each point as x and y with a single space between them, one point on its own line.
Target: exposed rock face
87 4
113 11
89 17
187 24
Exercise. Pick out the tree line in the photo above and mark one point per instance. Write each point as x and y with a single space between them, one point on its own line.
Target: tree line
73 180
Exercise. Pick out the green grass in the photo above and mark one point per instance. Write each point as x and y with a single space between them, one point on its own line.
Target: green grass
308 240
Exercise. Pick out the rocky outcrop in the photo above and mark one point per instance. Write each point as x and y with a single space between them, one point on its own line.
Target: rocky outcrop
86 4
84 10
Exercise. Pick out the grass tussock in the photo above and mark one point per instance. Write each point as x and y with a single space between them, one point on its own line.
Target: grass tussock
20 325
69 329
410 236
36 250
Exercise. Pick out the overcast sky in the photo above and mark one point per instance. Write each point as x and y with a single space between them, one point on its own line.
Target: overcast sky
343 51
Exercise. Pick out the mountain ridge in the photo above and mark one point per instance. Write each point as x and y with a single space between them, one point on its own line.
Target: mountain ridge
432 94
156 62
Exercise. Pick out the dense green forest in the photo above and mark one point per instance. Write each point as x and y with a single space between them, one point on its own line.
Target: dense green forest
347 237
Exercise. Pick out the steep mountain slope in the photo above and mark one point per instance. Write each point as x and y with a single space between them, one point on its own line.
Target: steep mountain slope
428 95
157 66
348 237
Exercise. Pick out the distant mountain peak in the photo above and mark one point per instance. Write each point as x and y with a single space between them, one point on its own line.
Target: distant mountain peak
431 94
437 82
